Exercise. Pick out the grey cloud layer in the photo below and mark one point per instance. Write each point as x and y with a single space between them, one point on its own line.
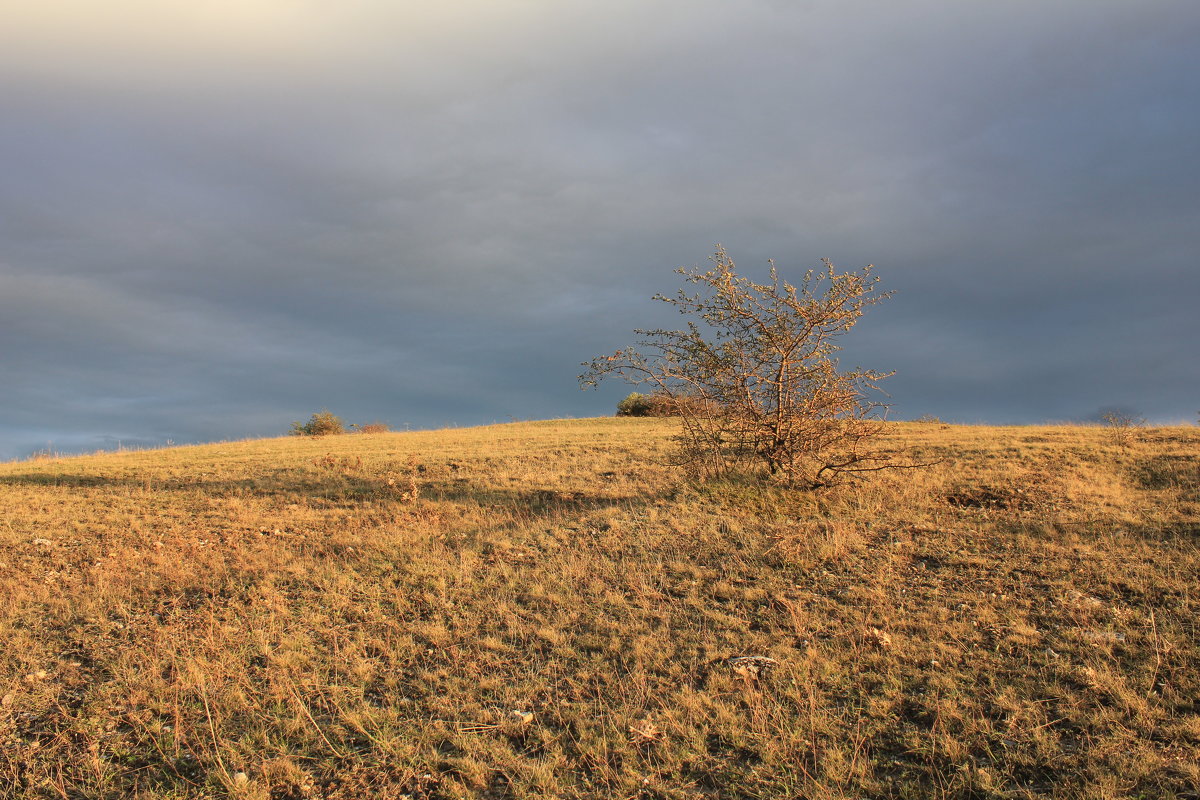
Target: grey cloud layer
211 226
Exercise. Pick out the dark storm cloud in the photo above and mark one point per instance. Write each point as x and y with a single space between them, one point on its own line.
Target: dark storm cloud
217 220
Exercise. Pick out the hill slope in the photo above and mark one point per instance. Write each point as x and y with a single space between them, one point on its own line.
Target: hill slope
541 610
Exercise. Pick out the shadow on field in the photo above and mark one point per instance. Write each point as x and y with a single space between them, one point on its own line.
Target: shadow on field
35 479
1175 471
346 491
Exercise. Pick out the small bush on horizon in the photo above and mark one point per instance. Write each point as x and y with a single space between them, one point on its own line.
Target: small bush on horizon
656 404
637 404
323 423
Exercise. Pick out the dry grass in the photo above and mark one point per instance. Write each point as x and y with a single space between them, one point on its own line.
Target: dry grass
539 610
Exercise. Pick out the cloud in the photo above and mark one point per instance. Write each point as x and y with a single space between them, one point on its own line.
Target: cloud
219 215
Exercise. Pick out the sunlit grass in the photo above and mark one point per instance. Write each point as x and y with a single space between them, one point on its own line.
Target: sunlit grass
544 610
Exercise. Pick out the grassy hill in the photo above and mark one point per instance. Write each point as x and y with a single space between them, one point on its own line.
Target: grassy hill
542 610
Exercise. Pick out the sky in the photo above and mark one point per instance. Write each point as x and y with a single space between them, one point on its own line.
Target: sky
218 217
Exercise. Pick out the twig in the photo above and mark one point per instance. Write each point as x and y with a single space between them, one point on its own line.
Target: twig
213 730
316 727
1048 724
1157 653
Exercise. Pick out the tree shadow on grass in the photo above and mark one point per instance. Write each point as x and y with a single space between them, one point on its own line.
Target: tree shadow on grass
1168 471
339 491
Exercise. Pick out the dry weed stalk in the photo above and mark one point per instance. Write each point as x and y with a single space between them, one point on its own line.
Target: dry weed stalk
1122 427
645 733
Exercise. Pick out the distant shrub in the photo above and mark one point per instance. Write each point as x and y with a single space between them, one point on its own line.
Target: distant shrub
324 423
647 405
635 404
371 427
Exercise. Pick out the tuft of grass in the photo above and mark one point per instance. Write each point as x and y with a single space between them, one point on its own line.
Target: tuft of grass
544 610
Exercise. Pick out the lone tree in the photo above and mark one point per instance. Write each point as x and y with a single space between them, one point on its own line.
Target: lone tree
754 376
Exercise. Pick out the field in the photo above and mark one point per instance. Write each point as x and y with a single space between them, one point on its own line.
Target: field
542 610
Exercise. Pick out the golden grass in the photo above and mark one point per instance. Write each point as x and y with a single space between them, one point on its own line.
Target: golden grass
541 610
